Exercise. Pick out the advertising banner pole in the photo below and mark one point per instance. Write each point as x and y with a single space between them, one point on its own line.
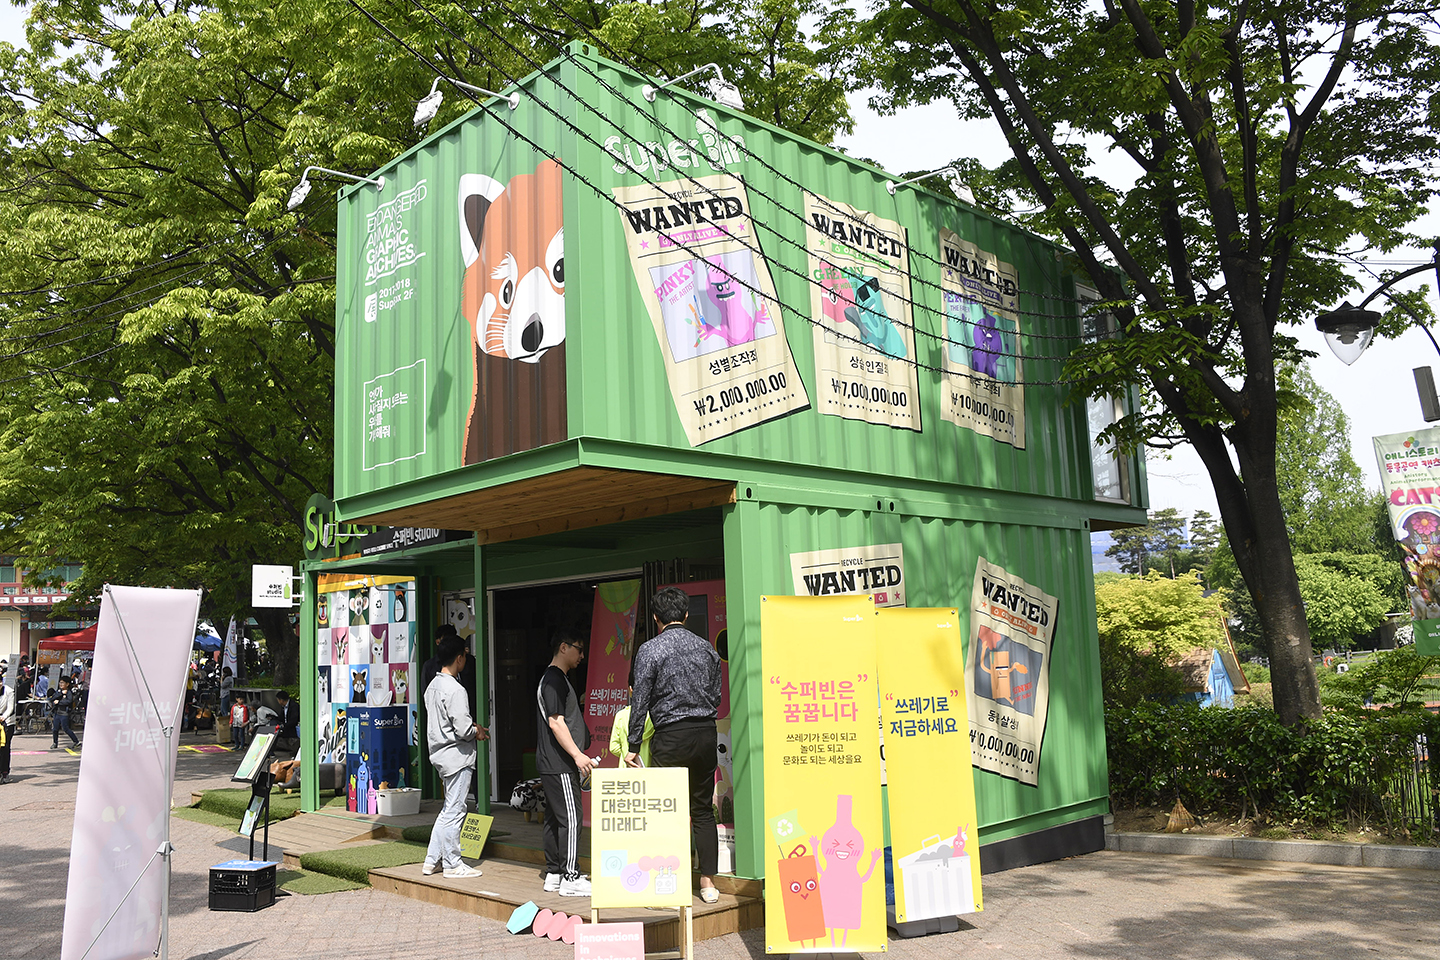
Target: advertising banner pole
117 808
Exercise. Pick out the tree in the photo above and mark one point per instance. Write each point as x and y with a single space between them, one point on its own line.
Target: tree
1167 537
1131 548
167 326
1322 490
1266 138
1204 538
1145 625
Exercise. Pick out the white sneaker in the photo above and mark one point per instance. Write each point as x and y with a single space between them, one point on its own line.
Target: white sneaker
462 872
552 882
579 887
428 869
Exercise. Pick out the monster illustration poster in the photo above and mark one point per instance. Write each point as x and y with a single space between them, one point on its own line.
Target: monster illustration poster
1410 479
864 331
824 838
513 298
982 386
1007 672
712 303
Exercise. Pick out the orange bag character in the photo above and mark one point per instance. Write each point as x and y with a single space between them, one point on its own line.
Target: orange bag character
800 895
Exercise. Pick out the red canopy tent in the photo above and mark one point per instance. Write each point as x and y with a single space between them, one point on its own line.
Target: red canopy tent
53 649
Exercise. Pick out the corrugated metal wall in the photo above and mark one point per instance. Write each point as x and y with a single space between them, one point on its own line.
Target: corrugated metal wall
940 557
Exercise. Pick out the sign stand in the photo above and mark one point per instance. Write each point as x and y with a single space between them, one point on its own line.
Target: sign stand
260 788
687 931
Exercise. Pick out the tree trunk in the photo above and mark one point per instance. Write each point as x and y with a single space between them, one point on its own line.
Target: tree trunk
282 642
1255 524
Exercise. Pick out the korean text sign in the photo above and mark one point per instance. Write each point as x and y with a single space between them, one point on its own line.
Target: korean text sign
923 715
640 837
1012 627
1410 479
825 880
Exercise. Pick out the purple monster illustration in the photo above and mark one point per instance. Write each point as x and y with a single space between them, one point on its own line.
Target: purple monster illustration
989 345
737 325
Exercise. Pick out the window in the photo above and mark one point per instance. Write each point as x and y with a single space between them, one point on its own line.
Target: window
1110 473
7 574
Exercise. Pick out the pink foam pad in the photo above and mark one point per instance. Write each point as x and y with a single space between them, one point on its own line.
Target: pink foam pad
571 925
558 922
542 923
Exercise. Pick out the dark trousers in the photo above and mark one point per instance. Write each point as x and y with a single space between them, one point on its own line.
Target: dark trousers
5 750
61 721
691 744
563 821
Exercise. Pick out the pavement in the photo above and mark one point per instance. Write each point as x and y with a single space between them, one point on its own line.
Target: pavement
1109 904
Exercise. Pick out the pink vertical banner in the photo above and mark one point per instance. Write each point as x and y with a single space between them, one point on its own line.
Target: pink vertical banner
118 884
612 644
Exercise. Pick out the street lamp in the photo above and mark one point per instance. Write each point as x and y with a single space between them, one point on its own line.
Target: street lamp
429 105
1349 329
302 189
721 90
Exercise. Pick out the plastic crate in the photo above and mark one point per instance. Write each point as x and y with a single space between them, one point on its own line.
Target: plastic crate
242 885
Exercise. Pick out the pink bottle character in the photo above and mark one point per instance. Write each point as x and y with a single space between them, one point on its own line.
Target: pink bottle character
839 855
737 325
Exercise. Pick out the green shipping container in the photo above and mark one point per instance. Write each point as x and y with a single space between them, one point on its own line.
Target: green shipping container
610 336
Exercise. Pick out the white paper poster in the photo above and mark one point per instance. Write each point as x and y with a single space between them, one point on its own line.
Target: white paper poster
878 569
982 388
127 774
1012 627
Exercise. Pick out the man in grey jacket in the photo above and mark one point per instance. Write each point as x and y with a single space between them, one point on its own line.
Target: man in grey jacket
451 734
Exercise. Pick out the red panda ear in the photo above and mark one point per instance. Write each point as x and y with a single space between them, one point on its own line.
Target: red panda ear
477 193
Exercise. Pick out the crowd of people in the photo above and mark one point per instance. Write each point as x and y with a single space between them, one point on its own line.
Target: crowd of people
29 692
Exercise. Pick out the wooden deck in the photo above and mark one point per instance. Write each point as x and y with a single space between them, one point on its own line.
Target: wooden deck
513 868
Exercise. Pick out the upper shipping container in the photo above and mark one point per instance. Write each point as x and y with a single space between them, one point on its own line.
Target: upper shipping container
690 282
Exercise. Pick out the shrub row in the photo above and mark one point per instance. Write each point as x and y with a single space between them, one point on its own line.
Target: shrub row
1244 762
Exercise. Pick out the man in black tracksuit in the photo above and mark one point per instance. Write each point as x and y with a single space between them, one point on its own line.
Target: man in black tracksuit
560 744
677 683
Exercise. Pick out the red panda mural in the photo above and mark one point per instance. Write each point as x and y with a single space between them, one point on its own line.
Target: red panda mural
512 238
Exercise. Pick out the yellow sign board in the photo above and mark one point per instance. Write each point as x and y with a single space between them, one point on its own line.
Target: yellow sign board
640 837
825 881
473 834
925 725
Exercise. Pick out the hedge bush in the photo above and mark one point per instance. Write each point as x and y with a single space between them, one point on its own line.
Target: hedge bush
1344 767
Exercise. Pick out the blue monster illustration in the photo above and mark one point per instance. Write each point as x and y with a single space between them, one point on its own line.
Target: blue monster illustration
868 314
989 345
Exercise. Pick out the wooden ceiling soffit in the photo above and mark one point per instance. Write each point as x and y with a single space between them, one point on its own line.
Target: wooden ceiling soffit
573 499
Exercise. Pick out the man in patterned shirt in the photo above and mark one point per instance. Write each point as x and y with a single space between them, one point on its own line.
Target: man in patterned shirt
677 685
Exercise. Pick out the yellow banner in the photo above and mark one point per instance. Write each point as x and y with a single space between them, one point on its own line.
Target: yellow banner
640 837
925 727
824 876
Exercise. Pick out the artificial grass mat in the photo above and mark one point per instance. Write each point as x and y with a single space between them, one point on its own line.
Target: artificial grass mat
231 802
312 884
355 863
421 833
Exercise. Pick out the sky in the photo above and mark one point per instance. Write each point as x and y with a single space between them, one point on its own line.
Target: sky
1378 392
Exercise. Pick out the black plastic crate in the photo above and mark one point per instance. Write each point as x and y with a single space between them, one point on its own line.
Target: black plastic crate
242 886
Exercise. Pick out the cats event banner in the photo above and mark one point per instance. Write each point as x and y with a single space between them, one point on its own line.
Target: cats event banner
1410 479
1012 629
860 309
712 302
982 386
824 840
924 723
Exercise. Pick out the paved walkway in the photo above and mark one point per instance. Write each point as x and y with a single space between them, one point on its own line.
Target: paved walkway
1106 905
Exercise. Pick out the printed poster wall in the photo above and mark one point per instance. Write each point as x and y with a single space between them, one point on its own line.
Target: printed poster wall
712 303
825 877
1410 478
640 840
366 674
935 845
859 305
982 387
1012 627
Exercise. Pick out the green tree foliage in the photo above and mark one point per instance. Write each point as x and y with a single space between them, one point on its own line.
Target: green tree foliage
1161 545
1266 140
166 326
1391 678
1145 625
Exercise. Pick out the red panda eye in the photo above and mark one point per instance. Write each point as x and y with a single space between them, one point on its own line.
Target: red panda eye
557 272
507 293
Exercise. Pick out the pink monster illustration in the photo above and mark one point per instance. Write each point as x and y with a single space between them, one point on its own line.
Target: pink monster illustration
836 294
737 325
839 855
